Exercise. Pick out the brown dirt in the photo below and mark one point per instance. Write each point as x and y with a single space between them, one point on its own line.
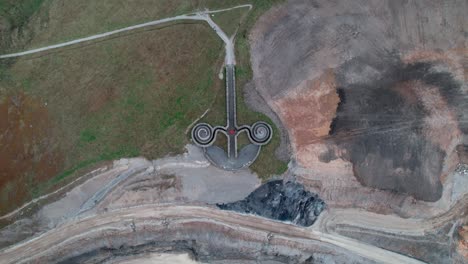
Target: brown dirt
27 153
463 241
101 98
308 111
405 89
462 151
440 125
453 58
393 141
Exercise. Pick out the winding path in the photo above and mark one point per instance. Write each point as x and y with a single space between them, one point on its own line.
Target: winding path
68 235
201 16
333 220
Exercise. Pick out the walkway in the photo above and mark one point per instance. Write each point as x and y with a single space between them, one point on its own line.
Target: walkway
203 135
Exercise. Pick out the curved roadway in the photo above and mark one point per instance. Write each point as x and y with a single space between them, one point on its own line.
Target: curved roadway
48 242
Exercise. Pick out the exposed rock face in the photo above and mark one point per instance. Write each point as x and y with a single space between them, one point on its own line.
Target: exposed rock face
281 201
222 237
131 182
372 93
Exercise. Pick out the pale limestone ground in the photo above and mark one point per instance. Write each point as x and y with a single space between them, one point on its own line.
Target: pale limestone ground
156 258
186 178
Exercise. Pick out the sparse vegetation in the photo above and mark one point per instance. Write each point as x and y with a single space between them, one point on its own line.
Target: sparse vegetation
18 13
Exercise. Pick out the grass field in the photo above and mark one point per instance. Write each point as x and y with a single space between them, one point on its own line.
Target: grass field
230 20
134 95
127 96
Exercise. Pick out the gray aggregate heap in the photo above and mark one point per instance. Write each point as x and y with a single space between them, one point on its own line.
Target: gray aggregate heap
283 201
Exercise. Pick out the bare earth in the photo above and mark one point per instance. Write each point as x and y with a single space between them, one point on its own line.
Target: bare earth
371 97
371 94
154 209
158 259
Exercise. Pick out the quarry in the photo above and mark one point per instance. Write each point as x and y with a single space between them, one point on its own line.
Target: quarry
286 131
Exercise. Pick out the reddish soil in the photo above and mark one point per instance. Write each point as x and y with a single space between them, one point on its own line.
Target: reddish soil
453 59
27 153
99 100
309 110
463 241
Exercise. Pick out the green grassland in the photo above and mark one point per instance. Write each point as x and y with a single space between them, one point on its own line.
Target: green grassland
132 95
230 20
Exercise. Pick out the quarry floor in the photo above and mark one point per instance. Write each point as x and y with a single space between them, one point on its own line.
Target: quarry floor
139 197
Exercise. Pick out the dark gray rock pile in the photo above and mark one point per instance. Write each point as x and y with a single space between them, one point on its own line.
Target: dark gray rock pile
281 201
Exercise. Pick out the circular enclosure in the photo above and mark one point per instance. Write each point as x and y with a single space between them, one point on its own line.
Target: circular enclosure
260 133
203 135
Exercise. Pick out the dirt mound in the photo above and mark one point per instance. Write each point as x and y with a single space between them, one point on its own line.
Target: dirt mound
372 93
398 130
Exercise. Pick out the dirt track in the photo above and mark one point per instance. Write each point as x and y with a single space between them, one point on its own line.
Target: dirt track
124 216
390 223
70 236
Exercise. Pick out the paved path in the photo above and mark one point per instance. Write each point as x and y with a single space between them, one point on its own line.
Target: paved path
228 42
231 128
231 110
333 220
204 135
